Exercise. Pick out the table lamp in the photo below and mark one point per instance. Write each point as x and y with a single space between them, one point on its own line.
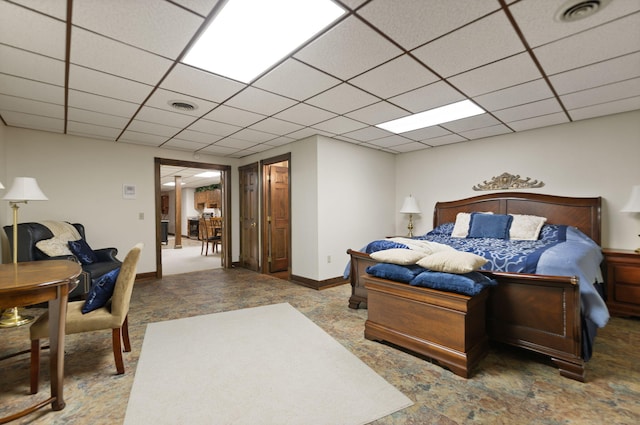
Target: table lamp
22 190
633 205
410 206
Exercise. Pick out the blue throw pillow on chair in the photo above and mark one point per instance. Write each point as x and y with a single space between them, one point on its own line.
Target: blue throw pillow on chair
101 291
83 252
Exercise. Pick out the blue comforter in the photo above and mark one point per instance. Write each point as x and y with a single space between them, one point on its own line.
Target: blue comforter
560 251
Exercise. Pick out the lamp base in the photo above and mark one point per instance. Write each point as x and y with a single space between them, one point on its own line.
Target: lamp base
11 318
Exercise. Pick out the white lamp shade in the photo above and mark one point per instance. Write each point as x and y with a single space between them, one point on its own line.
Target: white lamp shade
1 186
410 206
25 189
634 201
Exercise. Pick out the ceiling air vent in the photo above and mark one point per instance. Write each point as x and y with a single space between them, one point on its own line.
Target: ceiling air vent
574 10
182 105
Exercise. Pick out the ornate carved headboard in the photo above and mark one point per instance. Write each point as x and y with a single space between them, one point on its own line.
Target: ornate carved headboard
583 213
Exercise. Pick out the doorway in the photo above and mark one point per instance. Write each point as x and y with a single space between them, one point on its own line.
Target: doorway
225 210
276 216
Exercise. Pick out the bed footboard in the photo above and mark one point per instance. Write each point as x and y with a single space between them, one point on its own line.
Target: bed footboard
359 262
539 313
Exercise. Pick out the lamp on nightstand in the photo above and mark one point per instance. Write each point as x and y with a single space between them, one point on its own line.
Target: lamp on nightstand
633 206
410 206
23 190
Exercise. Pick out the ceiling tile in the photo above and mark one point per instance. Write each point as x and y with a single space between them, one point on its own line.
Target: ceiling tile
27 106
197 83
32 31
276 126
513 96
19 119
153 128
479 133
428 97
308 132
231 142
142 138
30 89
367 133
304 114
162 99
107 105
540 121
508 72
426 133
487 40
54 8
31 66
235 116
202 7
608 108
342 99
339 125
410 147
536 19
602 94
160 116
445 140
214 127
348 49
98 119
529 110
116 58
186 145
218 150
606 72
95 82
471 123
598 44
390 141
253 135
198 136
395 77
92 130
377 113
412 23
260 101
158 26
279 141
296 80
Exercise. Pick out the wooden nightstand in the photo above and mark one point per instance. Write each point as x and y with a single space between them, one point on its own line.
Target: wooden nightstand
622 274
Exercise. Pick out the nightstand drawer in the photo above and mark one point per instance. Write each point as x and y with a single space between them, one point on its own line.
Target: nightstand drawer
623 282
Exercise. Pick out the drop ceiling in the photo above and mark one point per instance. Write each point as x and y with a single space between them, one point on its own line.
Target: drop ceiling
113 69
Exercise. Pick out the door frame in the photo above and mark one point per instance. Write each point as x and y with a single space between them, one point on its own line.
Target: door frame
264 164
225 180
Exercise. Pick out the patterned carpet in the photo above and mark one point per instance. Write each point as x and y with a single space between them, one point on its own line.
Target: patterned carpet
509 386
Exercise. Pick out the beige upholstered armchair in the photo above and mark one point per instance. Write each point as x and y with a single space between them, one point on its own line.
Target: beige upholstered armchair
114 316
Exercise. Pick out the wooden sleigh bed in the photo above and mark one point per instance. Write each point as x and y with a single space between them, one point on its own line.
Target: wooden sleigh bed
535 312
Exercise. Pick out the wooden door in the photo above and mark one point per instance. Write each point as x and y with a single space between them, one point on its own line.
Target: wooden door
249 243
278 217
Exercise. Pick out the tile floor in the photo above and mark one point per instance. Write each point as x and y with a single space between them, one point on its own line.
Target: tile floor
508 387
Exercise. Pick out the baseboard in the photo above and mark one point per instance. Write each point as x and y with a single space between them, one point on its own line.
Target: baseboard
318 284
148 275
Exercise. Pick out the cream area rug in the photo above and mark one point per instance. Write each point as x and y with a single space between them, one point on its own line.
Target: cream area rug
262 365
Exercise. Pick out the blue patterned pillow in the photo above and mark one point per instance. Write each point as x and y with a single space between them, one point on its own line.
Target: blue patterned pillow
467 284
394 271
490 226
101 291
83 252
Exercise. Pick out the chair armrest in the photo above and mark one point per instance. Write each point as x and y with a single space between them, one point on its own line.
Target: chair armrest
106 254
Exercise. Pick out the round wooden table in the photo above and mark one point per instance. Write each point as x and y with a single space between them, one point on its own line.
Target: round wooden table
34 282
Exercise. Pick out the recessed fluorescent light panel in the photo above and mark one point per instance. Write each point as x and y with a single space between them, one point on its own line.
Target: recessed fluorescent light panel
452 112
249 36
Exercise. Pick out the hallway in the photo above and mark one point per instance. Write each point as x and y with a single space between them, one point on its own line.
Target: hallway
188 258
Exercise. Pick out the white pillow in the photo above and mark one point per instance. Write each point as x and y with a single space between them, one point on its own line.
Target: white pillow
54 247
526 227
452 262
401 256
461 226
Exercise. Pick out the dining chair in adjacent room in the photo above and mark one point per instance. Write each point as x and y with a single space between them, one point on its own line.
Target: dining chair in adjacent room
113 315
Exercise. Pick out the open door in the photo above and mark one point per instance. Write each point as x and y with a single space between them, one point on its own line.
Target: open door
276 215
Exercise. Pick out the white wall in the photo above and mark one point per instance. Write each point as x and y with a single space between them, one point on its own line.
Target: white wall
83 180
595 157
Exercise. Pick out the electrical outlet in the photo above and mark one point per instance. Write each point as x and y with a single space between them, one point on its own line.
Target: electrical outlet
141 216
328 258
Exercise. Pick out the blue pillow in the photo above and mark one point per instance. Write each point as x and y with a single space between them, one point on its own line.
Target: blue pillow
467 283
101 291
83 252
489 226
394 271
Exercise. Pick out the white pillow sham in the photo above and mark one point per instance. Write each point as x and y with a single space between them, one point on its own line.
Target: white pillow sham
401 256
526 227
452 262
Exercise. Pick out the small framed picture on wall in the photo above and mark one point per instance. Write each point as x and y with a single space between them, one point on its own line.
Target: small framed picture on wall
129 191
